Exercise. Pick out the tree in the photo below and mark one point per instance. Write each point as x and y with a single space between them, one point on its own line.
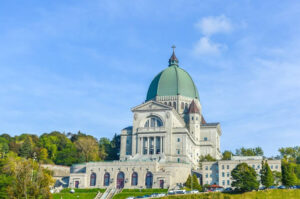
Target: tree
250 151
4 148
88 147
277 177
267 178
288 175
244 178
26 148
207 158
292 154
43 155
193 183
226 155
25 178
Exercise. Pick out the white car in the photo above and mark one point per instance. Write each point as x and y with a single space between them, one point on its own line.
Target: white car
194 191
130 197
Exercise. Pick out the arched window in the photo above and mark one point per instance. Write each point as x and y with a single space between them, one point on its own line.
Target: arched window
166 103
120 180
174 105
170 103
153 121
106 179
182 105
93 179
134 179
149 180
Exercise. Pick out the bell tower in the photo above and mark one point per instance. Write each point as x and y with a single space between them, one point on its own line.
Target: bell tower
194 121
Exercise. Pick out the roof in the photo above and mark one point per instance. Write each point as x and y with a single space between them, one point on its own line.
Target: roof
193 108
210 124
172 81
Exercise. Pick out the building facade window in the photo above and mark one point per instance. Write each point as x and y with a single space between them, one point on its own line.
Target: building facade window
153 122
223 182
149 180
134 179
223 167
205 138
106 179
206 168
93 179
228 182
227 166
178 151
174 105
228 174
223 174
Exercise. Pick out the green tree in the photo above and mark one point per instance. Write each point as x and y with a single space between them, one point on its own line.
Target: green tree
226 155
4 148
88 147
188 182
193 183
290 153
250 151
207 158
244 178
267 178
43 155
26 148
25 178
288 175
277 177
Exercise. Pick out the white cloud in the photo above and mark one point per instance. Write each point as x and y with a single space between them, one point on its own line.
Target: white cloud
212 25
207 47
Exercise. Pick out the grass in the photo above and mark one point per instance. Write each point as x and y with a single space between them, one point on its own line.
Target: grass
137 192
79 193
266 194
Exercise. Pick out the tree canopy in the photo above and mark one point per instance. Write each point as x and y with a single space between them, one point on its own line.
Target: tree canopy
244 178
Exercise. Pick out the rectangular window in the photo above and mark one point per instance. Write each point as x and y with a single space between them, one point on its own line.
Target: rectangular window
178 139
178 151
227 166
276 166
227 174
206 175
228 182
178 159
258 166
271 166
223 174
205 138
206 168
223 167
223 182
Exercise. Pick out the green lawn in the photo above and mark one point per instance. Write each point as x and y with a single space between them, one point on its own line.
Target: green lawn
137 192
79 193
268 194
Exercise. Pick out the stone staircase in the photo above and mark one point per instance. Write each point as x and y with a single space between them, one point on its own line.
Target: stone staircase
98 196
109 193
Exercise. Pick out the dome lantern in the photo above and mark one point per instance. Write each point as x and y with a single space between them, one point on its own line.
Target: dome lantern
173 59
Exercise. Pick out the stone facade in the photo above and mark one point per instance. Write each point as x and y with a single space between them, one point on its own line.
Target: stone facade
219 172
165 141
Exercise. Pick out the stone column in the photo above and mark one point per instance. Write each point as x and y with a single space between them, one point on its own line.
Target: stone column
148 140
160 144
154 145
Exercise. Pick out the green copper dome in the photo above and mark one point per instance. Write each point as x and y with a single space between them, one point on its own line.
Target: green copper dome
172 81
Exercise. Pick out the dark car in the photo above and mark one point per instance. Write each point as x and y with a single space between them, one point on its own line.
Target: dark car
273 187
282 187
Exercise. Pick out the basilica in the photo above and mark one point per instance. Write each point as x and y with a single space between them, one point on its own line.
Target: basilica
163 146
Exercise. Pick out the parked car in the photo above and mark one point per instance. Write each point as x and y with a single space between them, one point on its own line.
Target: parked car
227 190
171 192
161 195
180 191
194 191
262 188
130 197
273 187
282 187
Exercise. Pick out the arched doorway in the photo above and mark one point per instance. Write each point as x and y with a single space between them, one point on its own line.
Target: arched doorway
106 179
161 184
93 179
149 180
120 180
134 179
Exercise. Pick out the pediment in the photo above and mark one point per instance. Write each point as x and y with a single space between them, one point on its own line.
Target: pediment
151 106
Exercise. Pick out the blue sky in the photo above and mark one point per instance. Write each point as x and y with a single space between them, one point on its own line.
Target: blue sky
81 65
